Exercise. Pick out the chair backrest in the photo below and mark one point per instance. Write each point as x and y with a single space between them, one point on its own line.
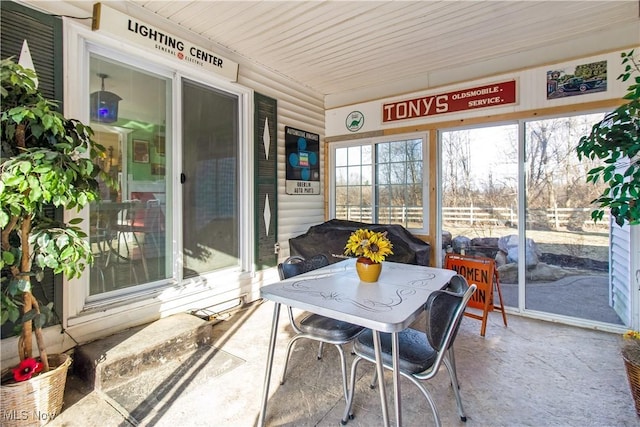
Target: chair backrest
127 213
457 285
150 216
295 265
444 311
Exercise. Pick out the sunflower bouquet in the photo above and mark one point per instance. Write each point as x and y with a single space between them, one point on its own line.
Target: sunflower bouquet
374 246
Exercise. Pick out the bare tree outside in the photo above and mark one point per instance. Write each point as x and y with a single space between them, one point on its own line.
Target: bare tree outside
480 201
386 187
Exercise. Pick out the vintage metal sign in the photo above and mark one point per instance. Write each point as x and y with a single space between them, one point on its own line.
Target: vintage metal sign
147 36
303 161
490 95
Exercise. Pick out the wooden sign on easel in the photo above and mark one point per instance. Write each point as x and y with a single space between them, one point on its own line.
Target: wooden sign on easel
482 272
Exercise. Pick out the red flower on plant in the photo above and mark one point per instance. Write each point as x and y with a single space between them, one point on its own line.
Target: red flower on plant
26 369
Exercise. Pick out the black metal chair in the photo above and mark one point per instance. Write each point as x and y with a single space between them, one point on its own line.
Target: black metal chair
314 326
421 354
458 285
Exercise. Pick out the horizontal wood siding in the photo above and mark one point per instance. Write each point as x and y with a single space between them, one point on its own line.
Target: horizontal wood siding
300 108
620 275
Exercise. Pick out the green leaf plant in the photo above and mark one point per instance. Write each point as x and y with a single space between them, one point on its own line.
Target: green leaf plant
615 140
47 160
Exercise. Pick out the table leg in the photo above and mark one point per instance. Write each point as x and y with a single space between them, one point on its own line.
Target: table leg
267 375
396 378
380 370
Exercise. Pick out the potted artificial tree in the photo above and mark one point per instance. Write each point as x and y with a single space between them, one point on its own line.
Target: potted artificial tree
46 160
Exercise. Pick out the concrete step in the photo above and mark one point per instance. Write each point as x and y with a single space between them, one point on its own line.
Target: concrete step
113 361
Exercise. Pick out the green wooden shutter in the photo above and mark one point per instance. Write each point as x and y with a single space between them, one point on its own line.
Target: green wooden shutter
266 180
44 37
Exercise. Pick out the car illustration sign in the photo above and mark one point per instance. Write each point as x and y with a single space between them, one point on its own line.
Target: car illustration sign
578 80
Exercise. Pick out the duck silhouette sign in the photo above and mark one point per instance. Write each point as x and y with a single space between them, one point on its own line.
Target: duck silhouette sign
354 121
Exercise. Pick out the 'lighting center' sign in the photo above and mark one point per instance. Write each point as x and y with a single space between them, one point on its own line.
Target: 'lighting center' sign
147 36
467 99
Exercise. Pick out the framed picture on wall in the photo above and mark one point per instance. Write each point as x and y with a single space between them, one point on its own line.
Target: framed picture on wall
140 151
157 169
160 145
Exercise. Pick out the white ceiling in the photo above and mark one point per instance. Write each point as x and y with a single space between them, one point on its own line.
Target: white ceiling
335 47
352 51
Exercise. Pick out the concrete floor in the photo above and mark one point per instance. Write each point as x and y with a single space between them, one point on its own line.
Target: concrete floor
531 373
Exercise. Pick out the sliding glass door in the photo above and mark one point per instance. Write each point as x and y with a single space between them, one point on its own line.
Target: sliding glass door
566 253
479 193
210 143
518 194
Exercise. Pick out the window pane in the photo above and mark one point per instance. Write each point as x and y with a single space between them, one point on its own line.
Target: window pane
383 173
414 172
355 175
382 153
341 202
354 156
366 175
414 149
398 151
414 196
385 215
366 155
341 176
128 227
341 156
398 175
384 195
354 196
398 194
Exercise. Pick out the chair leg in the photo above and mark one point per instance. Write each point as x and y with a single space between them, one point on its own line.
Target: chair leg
320 347
427 395
452 360
348 415
374 380
286 360
142 256
343 365
455 386
132 269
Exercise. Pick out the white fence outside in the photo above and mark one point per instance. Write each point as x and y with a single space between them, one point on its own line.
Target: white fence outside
552 217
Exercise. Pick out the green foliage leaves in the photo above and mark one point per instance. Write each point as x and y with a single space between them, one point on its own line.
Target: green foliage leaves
616 141
46 160
64 249
40 176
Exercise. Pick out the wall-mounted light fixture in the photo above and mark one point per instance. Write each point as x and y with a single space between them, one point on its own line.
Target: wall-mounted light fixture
104 105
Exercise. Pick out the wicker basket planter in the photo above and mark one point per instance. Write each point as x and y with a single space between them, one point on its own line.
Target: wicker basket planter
633 374
37 401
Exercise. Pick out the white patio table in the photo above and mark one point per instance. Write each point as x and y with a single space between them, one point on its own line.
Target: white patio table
389 305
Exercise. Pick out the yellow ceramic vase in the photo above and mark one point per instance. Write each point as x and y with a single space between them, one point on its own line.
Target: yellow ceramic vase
368 271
